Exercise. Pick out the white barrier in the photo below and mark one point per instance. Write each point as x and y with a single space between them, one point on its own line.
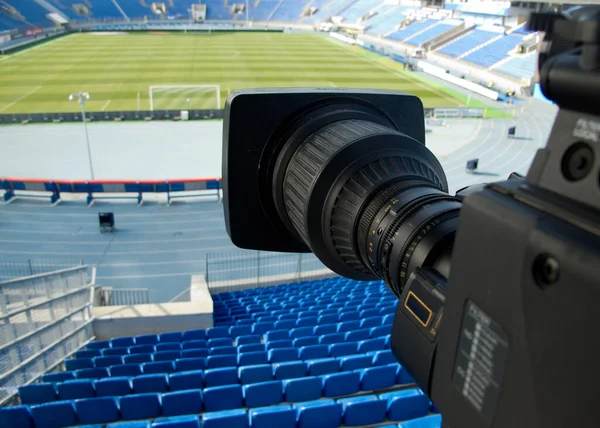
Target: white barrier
346 39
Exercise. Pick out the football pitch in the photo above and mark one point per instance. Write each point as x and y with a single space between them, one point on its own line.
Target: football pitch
192 71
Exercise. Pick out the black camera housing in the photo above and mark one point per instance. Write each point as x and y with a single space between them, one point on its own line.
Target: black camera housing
256 125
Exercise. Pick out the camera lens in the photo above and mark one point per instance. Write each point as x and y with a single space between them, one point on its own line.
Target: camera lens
369 201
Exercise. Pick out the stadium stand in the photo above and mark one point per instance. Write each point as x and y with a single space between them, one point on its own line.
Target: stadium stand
430 33
216 9
32 11
263 10
387 18
133 9
495 51
519 66
294 372
329 9
468 42
289 10
357 10
412 29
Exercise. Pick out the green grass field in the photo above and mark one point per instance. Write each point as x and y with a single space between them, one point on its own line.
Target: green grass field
116 69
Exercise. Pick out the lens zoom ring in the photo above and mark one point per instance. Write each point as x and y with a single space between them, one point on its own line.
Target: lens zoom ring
310 159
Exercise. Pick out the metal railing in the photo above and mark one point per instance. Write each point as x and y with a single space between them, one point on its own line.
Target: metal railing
184 296
251 269
108 296
12 270
43 319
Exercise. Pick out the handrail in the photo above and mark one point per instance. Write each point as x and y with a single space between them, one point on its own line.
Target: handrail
3 283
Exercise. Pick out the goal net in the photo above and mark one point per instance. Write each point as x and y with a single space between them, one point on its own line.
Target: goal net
185 97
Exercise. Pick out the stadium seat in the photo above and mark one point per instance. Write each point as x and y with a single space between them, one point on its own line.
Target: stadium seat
277 335
303 389
54 415
365 410
194 344
382 330
198 334
348 326
222 397
159 367
220 376
324 329
402 376
137 358
285 324
320 413
355 362
237 418
169 346
431 421
120 342
380 377
377 344
108 352
182 421
263 327
96 373
263 393
108 361
146 339
76 389
170 337
254 374
321 366
98 344
147 383
274 344
182 402
342 349
137 424
382 358
252 358
314 351
406 404
219 341
126 370
79 363
88 353
251 347
283 354
282 416
358 335
195 353
97 410
223 350
193 379
248 339
298 332
239 330
16 417
37 393
344 383
369 313
167 355
141 349
216 361
216 332
305 341
186 364
140 406
113 386
58 377
328 339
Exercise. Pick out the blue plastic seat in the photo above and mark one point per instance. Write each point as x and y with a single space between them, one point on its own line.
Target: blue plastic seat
348 326
371 321
381 331
377 344
330 318
159 367
220 376
285 324
182 421
194 344
219 341
222 397
141 349
255 373
108 352
96 373
251 347
358 335
248 339
283 354
431 421
169 346
170 337
193 379
113 386
195 353
277 335
370 313
147 383
216 332
349 316
137 358
16 417
287 316
216 361
223 350
119 342
355 362
182 402
146 339
303 389
263 393
79 363
98 344
406 404
342 349
324 329
344 383
305 341
37 393
240 330
313 352
268 318
388 310
298 332
88 353
197 334
262 327
186 364
380 377
365 410
97 410
54 415
126 370
252 358
274 344
382 358
140 406
282 416
328 339
320 413
108 361
136 424
321 366
237 418
58 377
167 355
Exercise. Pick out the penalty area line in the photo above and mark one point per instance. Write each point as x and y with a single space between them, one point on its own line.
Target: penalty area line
106 105
34 90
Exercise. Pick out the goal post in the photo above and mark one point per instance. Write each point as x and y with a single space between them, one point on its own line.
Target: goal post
185 97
